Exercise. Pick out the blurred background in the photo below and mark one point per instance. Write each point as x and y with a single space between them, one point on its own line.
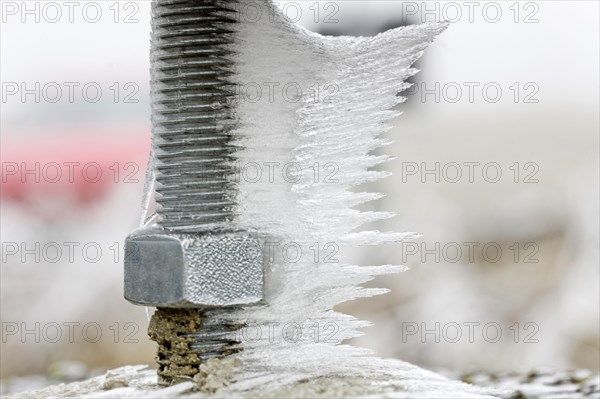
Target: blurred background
497 166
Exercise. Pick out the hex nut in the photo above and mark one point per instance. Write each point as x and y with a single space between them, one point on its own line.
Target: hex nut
192 270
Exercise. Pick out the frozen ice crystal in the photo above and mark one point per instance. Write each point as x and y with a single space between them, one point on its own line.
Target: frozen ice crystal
309 143
310 111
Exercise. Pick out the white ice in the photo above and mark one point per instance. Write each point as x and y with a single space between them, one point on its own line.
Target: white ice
333 99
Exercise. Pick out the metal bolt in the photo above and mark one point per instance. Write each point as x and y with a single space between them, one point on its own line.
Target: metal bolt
195 257
191 114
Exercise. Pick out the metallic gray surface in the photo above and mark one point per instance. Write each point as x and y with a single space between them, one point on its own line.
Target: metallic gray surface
196 258
192 114
192 270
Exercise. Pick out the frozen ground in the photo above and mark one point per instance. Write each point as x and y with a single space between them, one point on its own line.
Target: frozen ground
140 382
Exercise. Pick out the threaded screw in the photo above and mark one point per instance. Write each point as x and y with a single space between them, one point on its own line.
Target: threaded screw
191 114
192 121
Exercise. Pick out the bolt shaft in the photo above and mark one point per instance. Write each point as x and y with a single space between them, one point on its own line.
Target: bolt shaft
192 117
192 122
185 340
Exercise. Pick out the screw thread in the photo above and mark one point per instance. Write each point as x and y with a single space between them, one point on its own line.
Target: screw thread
192 116
185 340
192 123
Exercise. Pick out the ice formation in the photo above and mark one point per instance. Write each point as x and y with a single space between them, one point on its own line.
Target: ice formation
311 110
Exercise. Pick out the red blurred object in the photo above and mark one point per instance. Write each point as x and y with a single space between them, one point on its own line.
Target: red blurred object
82 167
